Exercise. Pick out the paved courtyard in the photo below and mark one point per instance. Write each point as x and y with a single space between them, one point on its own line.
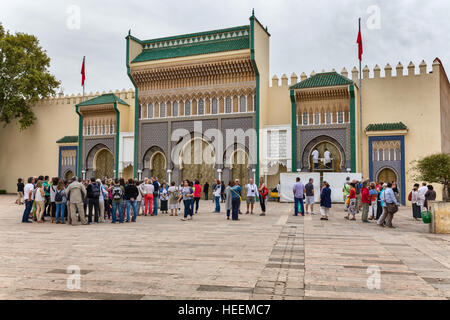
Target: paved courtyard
274 257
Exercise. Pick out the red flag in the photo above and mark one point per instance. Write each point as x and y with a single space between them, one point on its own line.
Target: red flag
83 74
359 42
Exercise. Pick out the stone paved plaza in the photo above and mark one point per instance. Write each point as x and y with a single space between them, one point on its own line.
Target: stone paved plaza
274 257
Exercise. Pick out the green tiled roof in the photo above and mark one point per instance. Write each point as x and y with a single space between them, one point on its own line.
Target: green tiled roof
103 99
326 79
68 139
386 126
198 34
211 46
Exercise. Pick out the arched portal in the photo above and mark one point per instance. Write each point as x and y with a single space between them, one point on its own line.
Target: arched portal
240 166
335 155
158 166
104 164
387 175
197 161
68 175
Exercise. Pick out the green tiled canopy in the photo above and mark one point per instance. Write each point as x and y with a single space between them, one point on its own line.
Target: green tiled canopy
236 38
386 126
326 79
68 139
107 98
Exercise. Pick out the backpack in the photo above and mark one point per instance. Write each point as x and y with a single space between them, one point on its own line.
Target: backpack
58 196
176 194
95 189
410 196
117 193
264 192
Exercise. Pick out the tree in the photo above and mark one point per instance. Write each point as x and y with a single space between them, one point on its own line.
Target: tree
24 77
434 169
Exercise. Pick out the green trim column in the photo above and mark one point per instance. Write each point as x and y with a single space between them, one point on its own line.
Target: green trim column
294 131
136 110
352 128
80 142
257 96
116 160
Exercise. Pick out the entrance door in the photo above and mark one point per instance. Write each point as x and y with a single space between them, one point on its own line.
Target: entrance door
159 167
198 164
387 175
104 164
335 155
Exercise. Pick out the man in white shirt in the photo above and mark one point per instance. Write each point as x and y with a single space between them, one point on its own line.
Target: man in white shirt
315 155
327 156
28 198
252 193
422 190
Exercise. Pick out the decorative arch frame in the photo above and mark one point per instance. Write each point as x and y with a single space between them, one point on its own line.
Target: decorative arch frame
397 176
306 159
92 154
183 147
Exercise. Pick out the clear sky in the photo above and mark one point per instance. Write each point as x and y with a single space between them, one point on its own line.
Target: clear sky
306 35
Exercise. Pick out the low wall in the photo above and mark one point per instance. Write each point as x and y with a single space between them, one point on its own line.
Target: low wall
440 217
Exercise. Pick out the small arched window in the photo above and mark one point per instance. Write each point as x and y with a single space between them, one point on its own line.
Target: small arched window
317 118
201 107
175 109
380 155
305 119
215 108
187 108
340 116
228 105
243 104
149 110
162 110
328 118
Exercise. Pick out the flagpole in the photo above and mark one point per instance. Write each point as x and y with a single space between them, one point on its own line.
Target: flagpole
84 64
360 112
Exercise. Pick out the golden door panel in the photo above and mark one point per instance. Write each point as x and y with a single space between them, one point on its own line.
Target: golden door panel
104 164
198 162
159 167
387 175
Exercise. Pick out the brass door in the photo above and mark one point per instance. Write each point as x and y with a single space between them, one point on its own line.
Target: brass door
104 164
68 175
198 164
159 167
240 169
387 175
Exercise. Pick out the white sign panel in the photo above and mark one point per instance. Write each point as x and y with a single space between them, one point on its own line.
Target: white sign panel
336 180
287 181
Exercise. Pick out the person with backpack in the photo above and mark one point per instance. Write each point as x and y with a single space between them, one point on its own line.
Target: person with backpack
102 201
117 192
174 195
235 200
47 204
93 195
60 201
131 194
263 192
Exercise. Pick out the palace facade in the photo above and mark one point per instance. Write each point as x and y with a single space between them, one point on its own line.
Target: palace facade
219 81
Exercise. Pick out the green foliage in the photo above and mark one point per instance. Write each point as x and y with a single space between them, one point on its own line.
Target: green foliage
24 77
434 169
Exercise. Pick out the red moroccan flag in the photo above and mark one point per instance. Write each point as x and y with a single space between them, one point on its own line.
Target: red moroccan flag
359 42
83 74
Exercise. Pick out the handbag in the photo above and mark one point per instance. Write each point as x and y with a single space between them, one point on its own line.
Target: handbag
391 208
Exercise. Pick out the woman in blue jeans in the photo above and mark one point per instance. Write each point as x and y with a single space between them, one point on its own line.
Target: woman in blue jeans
187 194
60 201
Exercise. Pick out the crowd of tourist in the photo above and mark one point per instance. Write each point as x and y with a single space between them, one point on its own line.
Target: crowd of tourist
96 201
377 201
116 200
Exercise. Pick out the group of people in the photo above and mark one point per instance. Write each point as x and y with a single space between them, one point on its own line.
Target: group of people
96 201
377 201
